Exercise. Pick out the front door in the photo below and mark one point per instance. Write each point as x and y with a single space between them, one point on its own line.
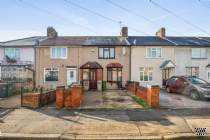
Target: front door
166 75
92 79
71 76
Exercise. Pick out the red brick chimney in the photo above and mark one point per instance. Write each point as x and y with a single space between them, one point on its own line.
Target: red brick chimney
161 32
124 32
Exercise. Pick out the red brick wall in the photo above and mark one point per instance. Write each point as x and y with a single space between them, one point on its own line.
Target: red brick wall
141 92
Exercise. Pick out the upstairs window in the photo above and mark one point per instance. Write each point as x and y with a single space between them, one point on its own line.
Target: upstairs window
12 53
154 52
106 53
199 53
59 53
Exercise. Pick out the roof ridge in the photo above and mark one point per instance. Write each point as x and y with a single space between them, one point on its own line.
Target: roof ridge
21 39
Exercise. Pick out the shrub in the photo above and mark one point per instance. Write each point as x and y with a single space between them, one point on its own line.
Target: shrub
104 86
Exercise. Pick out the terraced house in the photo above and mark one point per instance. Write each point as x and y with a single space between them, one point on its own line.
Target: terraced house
63 60
154 59
17 59
90 60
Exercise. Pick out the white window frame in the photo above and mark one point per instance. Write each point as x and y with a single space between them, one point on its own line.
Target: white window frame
200 53
147 56
149 71
51 70
52 57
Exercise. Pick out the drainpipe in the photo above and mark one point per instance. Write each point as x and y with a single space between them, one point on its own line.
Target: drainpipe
130 63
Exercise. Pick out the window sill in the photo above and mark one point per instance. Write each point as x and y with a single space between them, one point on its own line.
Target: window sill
153 57
199 58
58 58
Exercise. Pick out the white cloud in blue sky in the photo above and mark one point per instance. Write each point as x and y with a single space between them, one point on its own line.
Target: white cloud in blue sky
18 19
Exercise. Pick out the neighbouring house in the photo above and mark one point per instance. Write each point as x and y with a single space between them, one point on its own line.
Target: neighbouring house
17 59
90 60
154 59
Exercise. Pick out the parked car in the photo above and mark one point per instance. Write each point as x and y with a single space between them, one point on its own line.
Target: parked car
193 87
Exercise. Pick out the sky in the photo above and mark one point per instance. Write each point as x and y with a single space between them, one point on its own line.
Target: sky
25 18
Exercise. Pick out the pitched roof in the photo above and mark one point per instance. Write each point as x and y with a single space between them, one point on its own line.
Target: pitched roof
30 41
84 40
148 41
189 41
91 65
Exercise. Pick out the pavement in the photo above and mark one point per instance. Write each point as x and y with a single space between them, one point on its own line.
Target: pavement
104 123
11 102
108 99
174 100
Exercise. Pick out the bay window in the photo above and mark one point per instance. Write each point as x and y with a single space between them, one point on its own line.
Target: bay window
192 71
114 74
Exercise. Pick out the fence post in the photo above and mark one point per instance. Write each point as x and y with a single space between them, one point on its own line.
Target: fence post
40 97
21 95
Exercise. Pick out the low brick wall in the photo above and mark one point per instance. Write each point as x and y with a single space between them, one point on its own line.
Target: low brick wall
149 94
70 97
132 86
37 99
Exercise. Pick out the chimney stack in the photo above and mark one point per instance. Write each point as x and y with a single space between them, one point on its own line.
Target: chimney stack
161 32
124 32
51 32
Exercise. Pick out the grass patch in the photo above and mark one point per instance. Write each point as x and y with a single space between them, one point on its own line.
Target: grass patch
140 101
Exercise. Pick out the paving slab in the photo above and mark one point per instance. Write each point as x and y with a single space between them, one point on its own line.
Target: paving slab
170 125
199 123
93 126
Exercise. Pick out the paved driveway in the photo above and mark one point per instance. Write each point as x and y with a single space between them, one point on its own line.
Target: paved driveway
118 99
11 102
172 100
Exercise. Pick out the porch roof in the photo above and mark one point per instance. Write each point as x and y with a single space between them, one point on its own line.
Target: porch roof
114 65
91 65
167 64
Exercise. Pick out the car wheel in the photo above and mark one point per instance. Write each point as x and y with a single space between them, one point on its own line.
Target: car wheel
194 95
168 89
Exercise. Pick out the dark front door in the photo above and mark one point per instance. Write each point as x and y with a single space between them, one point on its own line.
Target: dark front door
92 79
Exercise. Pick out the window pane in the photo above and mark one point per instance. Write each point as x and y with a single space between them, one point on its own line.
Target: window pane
203 52
114 75
13 53
150 76
141 76
120 75
158 52
109 75
149 54
106 52
51 75
195 52
101 52
112 53
59 52
64 50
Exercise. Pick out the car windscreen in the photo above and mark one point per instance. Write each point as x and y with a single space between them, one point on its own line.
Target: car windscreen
195 80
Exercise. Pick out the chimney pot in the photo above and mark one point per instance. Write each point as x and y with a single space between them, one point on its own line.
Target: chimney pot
51 32
161 32
124 32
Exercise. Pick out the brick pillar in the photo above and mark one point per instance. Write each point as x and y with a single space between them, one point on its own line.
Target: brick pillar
153 93
60 97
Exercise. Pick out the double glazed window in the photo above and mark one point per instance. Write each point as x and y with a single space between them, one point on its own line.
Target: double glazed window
114 74
153 52
146 73
13 53
59 53
199 53
106 53
51 74
192 71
